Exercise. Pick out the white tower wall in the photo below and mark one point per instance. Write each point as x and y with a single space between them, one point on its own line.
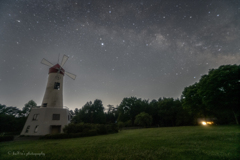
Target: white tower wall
42 121
53 97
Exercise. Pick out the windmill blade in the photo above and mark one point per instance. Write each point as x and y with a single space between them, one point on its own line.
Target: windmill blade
73 76
46 62
64 59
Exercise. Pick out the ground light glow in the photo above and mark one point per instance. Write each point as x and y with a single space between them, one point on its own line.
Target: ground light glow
206 123
209 122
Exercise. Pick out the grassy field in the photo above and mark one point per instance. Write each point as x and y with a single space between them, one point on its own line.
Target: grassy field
199 142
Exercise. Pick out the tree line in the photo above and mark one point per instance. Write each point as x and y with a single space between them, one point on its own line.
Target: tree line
12 119
216 95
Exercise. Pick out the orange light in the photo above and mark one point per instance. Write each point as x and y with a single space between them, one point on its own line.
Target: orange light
209 122
206 123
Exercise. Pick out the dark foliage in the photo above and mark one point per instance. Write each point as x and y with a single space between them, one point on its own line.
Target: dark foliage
215 95
11 119
143 119
164 112
83 130
100 128
90 113
6 138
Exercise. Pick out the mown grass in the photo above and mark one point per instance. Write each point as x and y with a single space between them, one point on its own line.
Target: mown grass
198 142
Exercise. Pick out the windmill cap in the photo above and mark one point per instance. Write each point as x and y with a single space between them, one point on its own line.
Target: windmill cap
54 69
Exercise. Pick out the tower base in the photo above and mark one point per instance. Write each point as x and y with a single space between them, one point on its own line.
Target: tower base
42 121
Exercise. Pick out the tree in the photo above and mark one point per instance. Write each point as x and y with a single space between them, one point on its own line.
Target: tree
27 108
168 110
91 113
71 112
129 108
216 93
192 102
76 111
152 109
97 111
110 108
143 119
220 90
14 111
112 114
10 119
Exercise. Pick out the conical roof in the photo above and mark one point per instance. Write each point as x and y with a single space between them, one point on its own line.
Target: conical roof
55 68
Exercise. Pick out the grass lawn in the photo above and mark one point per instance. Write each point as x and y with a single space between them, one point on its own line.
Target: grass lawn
198 142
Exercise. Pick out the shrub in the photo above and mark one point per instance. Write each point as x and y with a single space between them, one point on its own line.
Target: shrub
92 132
120 125
83 130
101 129
143 119
12 133
128 123
6 138
114 128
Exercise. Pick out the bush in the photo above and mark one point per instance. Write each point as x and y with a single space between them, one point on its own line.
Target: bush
143 119
114 128
12 133
128 123
92 133
6 138
120 125
101 129
83 130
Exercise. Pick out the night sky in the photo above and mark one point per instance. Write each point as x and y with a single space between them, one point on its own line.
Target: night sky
143 48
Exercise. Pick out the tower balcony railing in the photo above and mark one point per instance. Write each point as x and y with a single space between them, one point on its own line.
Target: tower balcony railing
65 107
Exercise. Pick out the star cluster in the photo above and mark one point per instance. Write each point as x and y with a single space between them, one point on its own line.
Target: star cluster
143 48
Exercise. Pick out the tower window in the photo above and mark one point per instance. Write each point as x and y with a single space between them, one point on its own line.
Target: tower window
35 117
28 127
36 129
56 117
44 105
57 85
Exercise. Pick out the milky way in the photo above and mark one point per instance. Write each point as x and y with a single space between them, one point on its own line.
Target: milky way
143 48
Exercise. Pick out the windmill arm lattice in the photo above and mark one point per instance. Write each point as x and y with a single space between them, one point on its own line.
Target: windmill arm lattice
73 76
46 62
64 59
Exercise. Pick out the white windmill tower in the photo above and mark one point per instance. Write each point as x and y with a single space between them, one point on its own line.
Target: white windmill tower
51 117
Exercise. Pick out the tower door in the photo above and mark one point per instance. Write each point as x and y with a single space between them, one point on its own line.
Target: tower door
55 129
